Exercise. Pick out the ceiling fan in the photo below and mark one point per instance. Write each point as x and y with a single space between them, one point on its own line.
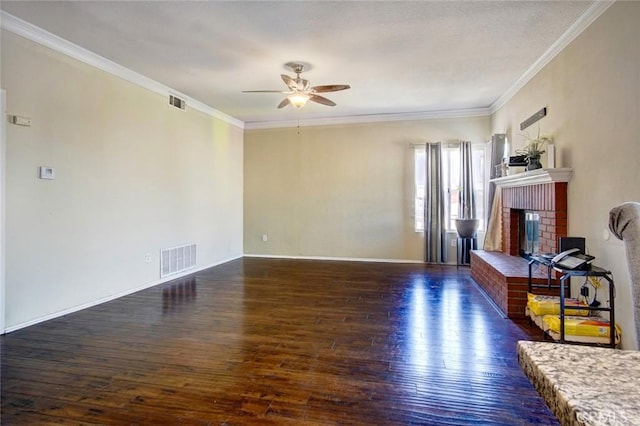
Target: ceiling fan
300 90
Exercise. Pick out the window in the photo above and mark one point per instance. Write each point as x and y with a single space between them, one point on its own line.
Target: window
450 183
420 157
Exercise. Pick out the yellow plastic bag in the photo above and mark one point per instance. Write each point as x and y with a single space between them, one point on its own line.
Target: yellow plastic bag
580 326
550 305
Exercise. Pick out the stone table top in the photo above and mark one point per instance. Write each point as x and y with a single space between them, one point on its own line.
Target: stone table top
585 385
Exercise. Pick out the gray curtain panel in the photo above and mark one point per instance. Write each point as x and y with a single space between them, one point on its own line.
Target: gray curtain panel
434 205
467 205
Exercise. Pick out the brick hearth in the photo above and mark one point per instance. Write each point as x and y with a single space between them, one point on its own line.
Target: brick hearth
504 275
506 280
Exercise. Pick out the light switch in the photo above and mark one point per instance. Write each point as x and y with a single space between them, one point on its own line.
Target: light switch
47 172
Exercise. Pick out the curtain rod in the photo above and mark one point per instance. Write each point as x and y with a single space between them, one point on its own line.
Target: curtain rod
422 144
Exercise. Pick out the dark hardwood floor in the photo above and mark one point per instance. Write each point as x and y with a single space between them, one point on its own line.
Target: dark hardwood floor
271 341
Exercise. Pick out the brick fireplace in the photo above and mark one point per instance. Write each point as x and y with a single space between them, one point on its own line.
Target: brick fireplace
549 200
504 275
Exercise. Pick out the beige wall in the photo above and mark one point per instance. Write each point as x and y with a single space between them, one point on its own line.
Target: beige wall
340 191
592 91
133 176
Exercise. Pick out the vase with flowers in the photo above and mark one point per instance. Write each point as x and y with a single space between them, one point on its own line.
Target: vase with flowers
534 148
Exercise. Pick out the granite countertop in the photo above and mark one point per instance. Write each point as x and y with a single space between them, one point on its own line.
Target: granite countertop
585 385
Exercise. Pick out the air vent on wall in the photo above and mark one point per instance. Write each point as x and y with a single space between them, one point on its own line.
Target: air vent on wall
177 259
177 102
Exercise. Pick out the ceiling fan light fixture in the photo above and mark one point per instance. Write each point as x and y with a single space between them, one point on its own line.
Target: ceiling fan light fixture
300 90
298 100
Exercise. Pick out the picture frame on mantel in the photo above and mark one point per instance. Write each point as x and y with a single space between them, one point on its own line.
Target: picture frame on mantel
551 156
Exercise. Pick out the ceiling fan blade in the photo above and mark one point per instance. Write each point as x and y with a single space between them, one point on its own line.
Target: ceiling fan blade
290 82
263 91
284 103
322 100
330 88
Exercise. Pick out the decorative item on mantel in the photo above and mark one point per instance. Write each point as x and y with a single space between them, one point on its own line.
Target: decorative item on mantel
534 149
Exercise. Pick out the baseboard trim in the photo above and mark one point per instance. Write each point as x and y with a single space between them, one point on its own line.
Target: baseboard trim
114 296
343 259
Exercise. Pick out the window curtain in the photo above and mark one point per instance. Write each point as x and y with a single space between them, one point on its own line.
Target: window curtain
467 206
499 153
493 237
434 205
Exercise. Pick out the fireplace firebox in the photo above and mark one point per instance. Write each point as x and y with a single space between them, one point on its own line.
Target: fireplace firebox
529 233
549 202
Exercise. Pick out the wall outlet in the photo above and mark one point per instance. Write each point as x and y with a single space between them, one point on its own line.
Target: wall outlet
265 238
147 257
45 172
454 242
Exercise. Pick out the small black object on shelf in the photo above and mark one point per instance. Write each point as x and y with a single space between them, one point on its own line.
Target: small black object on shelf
518 161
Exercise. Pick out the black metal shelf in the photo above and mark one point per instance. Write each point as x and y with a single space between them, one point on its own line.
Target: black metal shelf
593 271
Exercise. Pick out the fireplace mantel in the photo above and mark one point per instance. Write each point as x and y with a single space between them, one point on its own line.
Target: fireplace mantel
534 177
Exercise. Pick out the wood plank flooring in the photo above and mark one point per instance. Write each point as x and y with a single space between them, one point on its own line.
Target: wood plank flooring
274 341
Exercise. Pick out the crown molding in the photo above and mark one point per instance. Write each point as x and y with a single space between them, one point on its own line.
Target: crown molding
369 118
587 18
52 41
42 37
58 44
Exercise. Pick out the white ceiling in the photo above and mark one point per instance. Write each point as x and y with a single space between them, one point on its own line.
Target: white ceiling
399 57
